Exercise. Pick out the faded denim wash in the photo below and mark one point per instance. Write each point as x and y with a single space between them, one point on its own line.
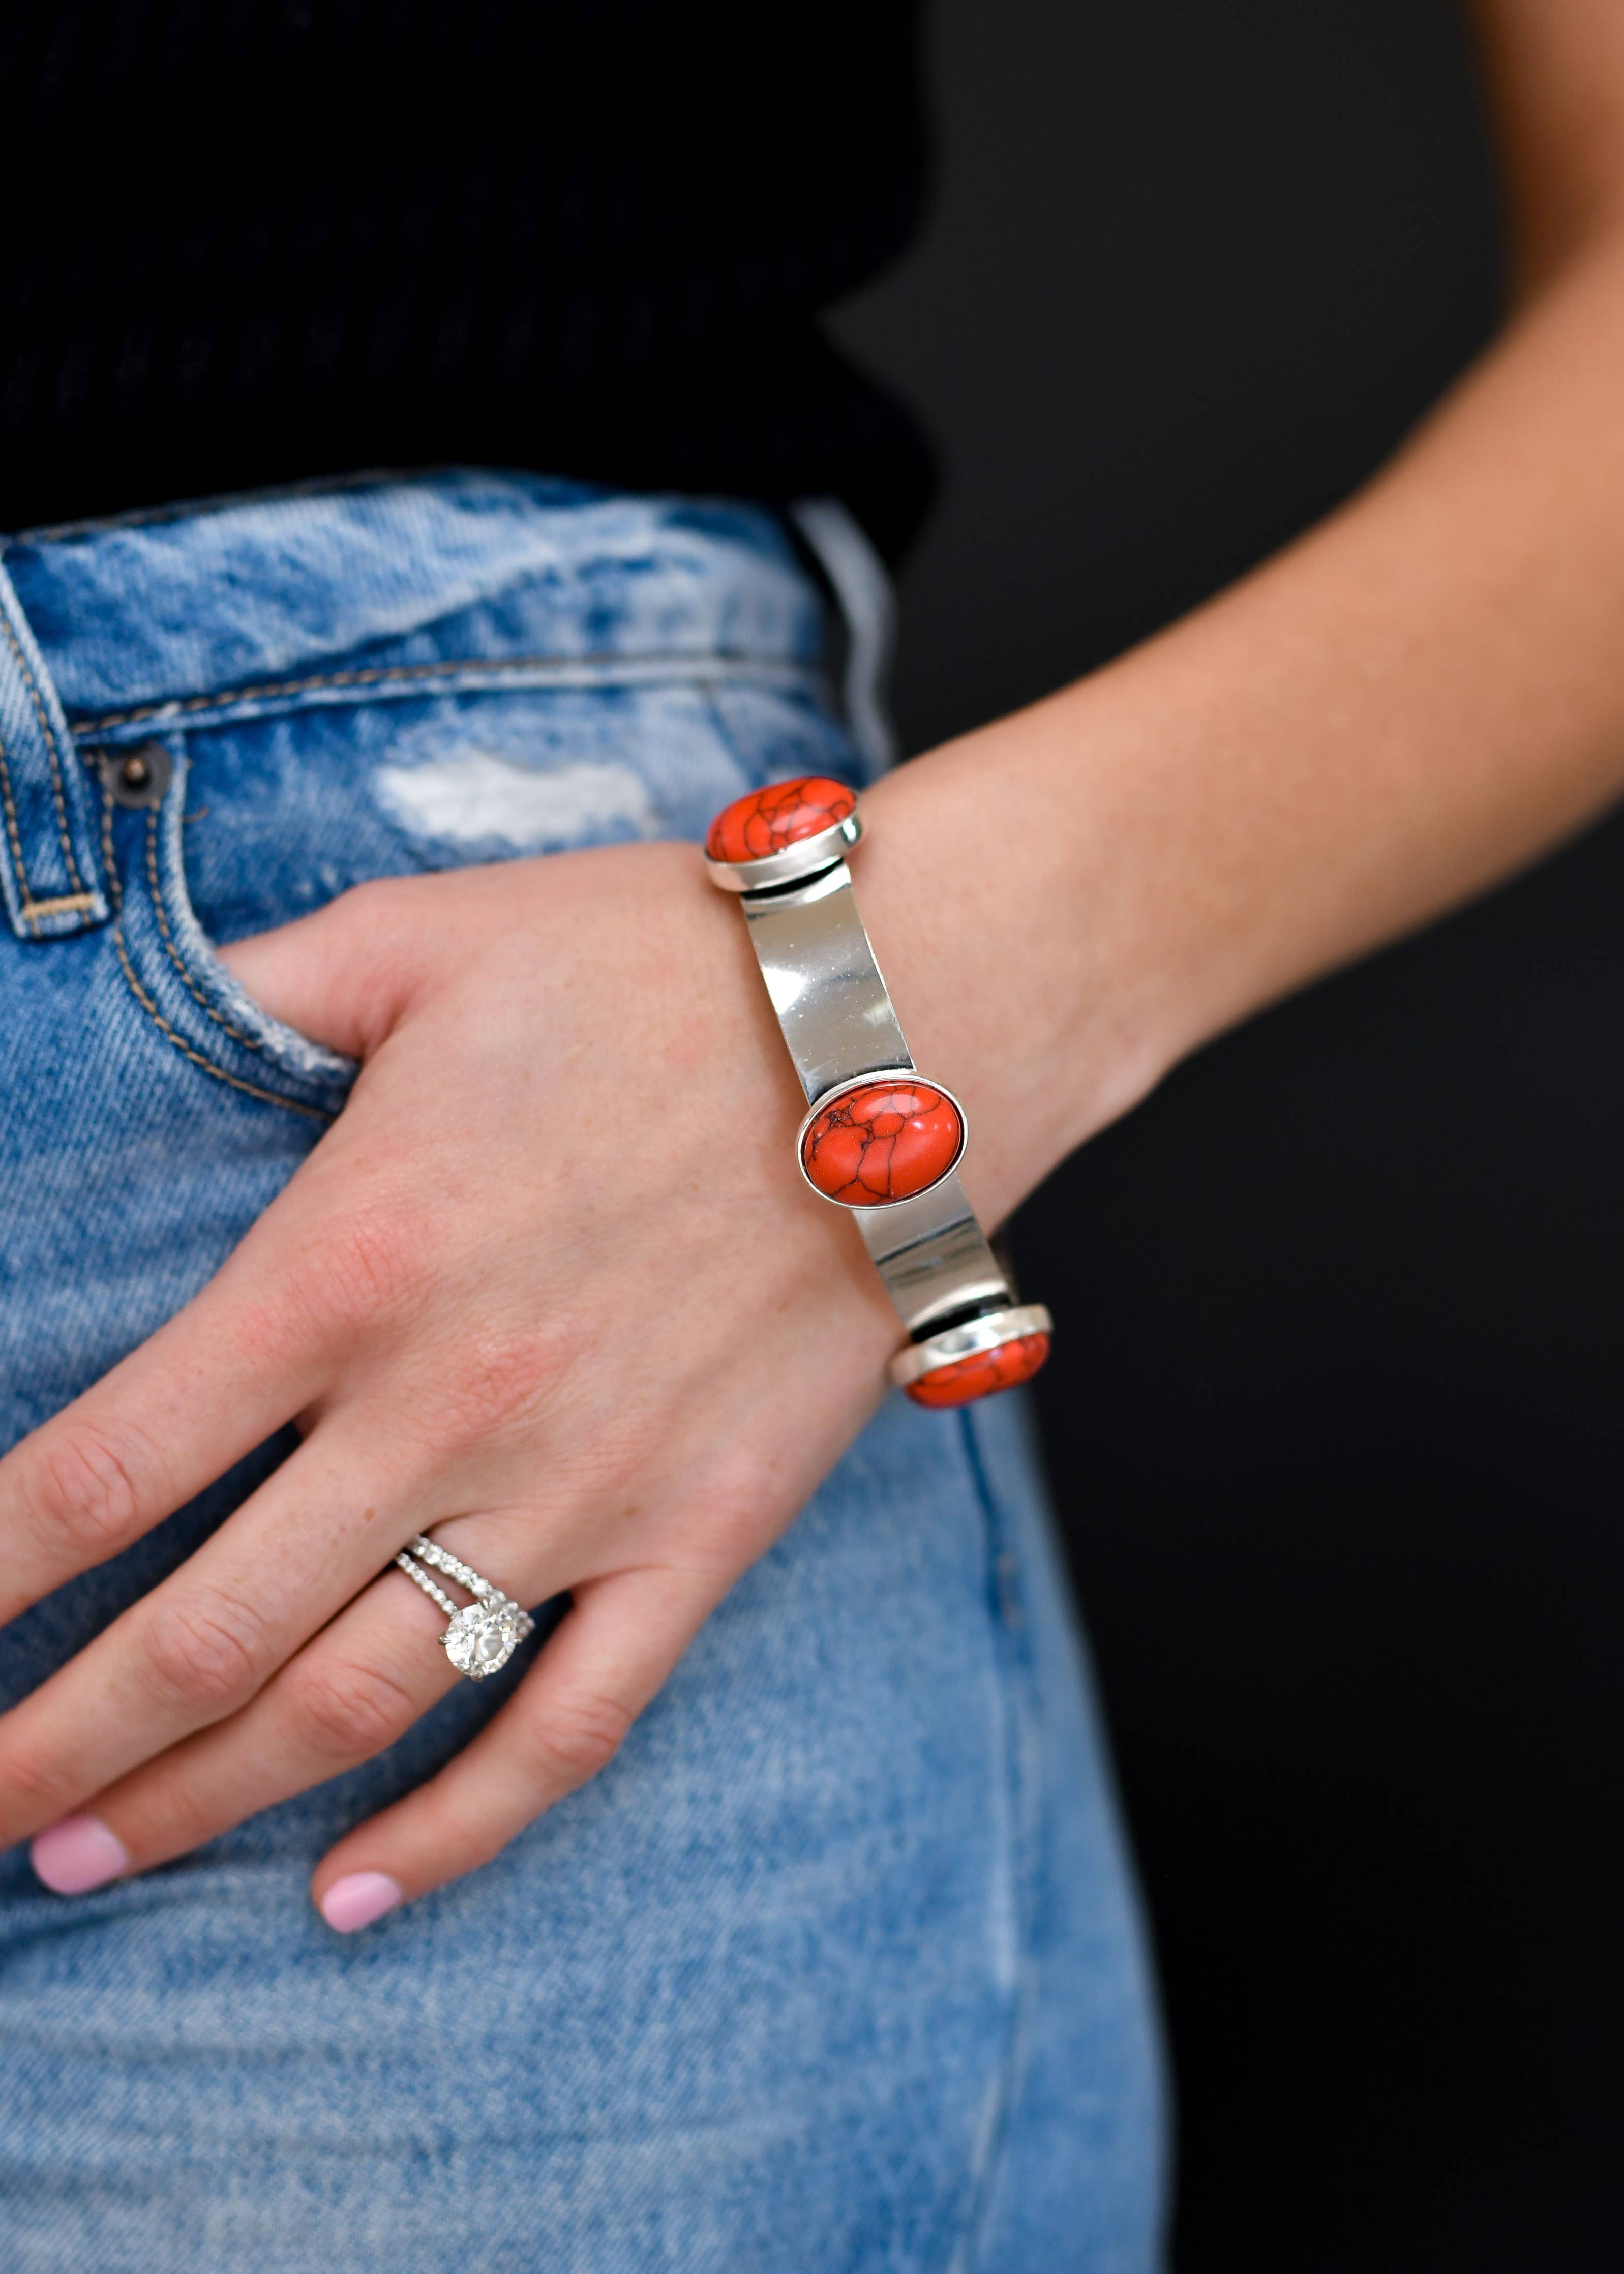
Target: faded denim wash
838 1968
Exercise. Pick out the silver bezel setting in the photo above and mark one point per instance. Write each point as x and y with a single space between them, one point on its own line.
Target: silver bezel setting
804 858
970 1340
862 1082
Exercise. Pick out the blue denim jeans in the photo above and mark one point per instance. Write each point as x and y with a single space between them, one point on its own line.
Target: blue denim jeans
838 1966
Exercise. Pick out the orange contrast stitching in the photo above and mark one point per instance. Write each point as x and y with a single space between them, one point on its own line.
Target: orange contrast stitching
14 837
90 727
51 751
115 884
65 904
248 1041
267 1096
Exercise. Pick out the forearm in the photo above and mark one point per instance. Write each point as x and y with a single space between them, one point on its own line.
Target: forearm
1421 694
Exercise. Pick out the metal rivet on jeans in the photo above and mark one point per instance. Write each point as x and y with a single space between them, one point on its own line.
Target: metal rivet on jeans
137 777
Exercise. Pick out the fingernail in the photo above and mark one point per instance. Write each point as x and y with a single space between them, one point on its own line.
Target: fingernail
77 1855
358 1900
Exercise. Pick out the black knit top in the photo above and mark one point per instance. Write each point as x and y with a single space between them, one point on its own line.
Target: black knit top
256 241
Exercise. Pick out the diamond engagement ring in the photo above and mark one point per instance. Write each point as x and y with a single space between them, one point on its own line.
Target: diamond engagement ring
483 1635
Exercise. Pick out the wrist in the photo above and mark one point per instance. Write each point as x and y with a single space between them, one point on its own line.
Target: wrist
1010 969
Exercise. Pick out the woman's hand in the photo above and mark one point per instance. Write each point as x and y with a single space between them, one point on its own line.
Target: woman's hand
549 1286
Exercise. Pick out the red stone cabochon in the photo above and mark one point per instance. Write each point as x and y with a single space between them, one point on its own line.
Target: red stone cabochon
883 1141
967 1379
782 814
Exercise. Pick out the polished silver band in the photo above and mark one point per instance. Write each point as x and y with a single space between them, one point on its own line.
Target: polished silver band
838 1021
483 1635
989 1330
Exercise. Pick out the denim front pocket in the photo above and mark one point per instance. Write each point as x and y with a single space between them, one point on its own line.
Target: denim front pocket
268 817
185 992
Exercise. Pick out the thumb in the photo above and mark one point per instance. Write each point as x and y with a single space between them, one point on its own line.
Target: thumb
342 976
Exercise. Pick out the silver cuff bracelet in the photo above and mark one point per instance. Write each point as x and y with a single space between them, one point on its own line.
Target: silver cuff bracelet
878 1139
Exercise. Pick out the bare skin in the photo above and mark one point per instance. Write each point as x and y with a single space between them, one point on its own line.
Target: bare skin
581 1364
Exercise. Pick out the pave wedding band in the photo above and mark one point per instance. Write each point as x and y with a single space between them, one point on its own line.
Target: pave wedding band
483 1635
877 1140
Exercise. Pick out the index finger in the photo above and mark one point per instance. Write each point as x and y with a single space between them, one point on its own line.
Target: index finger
245 1357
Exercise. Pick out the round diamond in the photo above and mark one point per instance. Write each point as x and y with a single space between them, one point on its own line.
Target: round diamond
483 1637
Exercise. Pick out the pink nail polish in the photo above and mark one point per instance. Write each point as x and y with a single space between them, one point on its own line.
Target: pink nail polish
77 1855
357 1900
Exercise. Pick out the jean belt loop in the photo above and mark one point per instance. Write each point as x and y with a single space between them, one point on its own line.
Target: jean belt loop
862 586
49 861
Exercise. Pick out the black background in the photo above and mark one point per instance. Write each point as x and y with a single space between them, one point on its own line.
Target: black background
1334 1416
